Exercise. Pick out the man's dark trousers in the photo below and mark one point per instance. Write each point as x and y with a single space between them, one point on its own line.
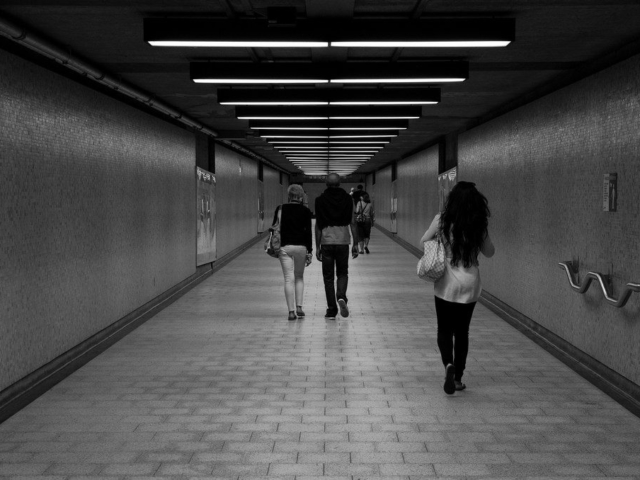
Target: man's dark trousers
335 261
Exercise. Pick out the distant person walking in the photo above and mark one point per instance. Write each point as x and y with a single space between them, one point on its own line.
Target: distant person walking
357 194
364 219
334 221
296 247
462 226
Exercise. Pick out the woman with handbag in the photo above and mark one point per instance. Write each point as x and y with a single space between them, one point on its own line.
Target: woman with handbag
296 247
462 227
364 221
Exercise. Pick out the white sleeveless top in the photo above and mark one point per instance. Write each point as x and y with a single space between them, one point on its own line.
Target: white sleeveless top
459 284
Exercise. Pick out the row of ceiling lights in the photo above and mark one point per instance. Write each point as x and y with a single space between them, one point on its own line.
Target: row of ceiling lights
323 130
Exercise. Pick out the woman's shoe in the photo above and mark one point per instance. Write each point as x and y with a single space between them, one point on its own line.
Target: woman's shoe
292 315
449 383
299 311
366 249
459 385
361 251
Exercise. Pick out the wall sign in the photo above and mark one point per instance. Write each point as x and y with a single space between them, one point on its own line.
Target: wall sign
446 181
610 192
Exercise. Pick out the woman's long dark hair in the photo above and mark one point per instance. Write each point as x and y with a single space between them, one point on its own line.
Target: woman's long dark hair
463 223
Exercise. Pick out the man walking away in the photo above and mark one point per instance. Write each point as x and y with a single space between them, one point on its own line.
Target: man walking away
334 221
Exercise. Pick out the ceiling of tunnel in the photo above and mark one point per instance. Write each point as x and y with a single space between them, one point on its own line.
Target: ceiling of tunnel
553 38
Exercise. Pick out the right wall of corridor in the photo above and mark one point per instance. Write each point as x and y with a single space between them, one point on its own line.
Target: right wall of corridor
542 167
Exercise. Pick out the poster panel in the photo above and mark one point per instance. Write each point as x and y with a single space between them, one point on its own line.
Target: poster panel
446 181
394 207
206 220
260 207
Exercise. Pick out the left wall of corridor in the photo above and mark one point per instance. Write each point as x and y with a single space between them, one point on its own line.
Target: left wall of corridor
97 212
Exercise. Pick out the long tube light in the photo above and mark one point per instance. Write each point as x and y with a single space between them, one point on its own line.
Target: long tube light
354 72
369 113
328 96
199 32
318 33
365 124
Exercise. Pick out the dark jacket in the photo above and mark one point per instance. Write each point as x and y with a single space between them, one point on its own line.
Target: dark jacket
334 208
295 227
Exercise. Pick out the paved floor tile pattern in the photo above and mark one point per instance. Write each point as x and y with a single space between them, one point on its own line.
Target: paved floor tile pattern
221 385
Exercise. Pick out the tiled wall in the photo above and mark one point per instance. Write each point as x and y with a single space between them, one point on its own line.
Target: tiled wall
236 199
96 213
381 197
542 168
274 193
417 194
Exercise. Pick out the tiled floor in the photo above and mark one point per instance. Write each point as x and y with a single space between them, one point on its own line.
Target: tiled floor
221 385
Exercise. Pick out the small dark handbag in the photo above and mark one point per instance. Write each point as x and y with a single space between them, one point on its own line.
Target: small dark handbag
273 243
431 266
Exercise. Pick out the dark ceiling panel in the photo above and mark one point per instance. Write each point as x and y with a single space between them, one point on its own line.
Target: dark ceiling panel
553 39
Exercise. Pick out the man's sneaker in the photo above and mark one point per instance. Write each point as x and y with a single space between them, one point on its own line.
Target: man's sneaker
329 315
449 382
344 310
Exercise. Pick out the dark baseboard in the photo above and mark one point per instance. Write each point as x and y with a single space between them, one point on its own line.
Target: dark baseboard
24 391
400 241
620 388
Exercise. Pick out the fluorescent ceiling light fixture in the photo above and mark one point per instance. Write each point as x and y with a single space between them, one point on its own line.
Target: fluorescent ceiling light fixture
209 32
364 124
349 72
360 136
330 134
301 96
274 142
239 44
368 128
375 118
424 44
286 148
384 102
281 118
296 136
323 159
395 80
249 81
315 157
288 128
320 33
366 113
365 142
335 152
424 33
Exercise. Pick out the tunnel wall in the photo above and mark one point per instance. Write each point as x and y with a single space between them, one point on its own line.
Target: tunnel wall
541 167
236 199
417 194
98 212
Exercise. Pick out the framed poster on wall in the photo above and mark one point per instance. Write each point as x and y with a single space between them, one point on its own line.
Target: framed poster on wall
446 181
394 208
206 217
260 206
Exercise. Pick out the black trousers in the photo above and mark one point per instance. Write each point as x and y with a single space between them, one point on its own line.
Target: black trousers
453 333
335 263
